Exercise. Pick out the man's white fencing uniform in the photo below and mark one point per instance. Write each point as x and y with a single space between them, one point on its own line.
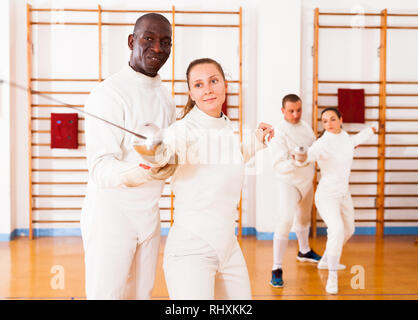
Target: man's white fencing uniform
295 188
120 220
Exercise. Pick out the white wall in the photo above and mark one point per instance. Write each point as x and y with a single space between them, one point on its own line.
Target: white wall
53 60
5 123
277 40
278 74
19 116
346 55
352 54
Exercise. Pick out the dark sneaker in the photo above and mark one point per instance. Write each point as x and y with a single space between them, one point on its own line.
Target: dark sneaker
310 256
277 278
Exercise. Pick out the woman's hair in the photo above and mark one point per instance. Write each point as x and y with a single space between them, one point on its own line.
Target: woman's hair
332 109
190 103
337 112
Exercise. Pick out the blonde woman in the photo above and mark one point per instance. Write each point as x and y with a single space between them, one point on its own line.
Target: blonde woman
202 258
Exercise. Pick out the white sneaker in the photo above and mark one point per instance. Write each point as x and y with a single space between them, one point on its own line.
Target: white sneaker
323 266
332 283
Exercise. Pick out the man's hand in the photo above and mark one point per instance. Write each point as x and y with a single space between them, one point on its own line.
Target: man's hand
301 157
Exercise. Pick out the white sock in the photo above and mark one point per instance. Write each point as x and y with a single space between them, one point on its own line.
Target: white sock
324 257
332 282
279 248
303 240
332 274
333 262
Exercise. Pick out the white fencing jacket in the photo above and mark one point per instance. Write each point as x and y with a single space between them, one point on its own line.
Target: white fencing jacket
287 137
209 177
334 154
129 99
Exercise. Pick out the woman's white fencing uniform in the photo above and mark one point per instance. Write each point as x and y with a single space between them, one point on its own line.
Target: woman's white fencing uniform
202 258
334 155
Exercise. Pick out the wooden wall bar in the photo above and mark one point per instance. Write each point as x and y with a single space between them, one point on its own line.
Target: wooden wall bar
315 107
29 73
381 120
380 200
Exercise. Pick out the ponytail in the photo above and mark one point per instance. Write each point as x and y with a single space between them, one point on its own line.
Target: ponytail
189 106
321 134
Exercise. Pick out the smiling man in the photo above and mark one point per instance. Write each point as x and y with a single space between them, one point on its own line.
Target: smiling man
120 220
150 44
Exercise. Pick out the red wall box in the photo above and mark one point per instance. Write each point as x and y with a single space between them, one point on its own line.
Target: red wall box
64 130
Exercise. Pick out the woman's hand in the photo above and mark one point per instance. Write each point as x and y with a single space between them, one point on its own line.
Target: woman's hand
263 130
163 173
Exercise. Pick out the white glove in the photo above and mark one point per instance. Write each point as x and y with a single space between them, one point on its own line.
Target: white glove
135 177
163 173
299 164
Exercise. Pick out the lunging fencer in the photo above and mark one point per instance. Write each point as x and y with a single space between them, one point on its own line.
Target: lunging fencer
202 257
295 187
120 220
333 152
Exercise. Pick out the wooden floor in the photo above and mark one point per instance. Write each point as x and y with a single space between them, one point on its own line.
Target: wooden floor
390 269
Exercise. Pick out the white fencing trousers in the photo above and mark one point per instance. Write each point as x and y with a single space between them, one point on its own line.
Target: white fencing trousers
292 206
119 265
337 211
193 271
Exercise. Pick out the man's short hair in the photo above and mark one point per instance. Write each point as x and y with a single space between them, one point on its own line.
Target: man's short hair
150 16
290 97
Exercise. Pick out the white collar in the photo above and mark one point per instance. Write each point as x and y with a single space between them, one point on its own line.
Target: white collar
331 135
206 120
144 79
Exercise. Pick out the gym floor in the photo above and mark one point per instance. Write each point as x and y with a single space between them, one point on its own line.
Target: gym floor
376 269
